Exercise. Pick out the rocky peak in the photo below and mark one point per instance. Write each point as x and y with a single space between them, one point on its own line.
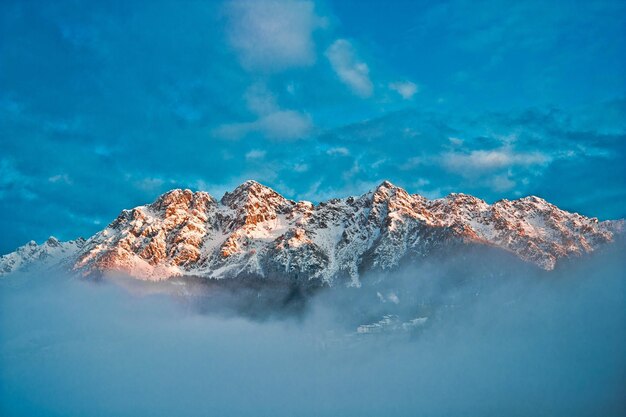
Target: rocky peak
53 242
386 185
384 191
457 205
254 231
173 197
460 199
183 199
388 199
255 203
250 192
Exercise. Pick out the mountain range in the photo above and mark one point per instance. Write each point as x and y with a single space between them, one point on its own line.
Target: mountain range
255 233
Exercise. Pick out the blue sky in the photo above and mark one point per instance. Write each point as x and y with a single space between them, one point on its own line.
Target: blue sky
105 105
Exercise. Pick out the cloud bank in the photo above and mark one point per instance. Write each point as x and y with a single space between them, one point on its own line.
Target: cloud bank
498 341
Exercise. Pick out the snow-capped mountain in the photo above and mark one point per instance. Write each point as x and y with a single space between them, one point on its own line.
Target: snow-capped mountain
254 232
31 255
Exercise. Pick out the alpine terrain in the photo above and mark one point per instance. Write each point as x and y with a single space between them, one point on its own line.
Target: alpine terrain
254 232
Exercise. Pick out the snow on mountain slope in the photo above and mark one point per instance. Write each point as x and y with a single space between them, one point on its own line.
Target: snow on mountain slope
32 256
254 232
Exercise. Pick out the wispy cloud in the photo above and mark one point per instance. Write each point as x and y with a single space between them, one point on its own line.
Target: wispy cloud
162 95
284 124
255 154
486 160
349 68
272 122
341 151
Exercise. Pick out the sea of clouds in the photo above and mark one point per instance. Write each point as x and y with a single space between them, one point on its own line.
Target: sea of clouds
504 340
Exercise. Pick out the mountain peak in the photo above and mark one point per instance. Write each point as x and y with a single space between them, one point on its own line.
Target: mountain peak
250 192
384 190
251 184
53 242
255 232
535 200
179 197
386 184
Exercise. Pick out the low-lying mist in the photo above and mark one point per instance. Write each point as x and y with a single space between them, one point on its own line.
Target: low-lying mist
474 334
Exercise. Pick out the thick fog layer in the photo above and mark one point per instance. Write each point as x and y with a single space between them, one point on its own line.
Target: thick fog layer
460 338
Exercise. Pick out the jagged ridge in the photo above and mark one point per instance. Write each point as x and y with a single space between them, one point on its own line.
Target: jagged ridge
255 232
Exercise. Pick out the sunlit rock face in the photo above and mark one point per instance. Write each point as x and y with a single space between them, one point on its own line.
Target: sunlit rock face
254 232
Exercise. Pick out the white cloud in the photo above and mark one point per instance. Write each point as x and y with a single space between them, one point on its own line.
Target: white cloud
283 124
350 70
273 35
406 89
481 160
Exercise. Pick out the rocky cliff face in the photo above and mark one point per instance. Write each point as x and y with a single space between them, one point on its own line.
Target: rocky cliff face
255 232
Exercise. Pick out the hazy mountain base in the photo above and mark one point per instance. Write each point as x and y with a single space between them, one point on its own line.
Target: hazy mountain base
502 338
447 279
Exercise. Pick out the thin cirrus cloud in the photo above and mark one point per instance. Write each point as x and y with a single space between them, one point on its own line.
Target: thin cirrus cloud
350 69
272 35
